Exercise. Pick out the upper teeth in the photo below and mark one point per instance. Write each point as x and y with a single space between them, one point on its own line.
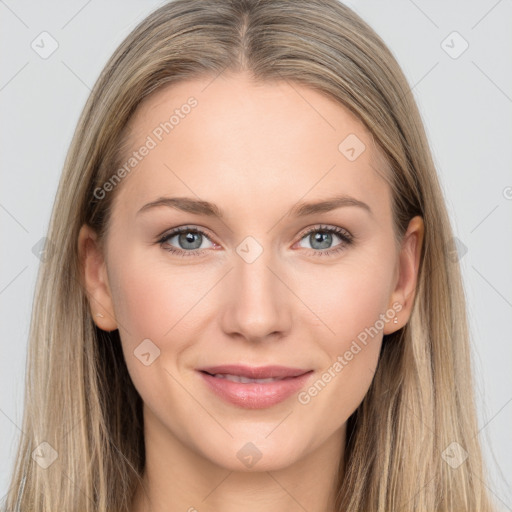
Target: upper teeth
244 380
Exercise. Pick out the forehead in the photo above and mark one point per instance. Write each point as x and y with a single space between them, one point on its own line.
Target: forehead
231 139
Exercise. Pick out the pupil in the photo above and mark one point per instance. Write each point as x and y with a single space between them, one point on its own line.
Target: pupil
188 238
324 238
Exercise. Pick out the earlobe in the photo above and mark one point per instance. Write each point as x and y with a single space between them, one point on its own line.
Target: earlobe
408 267
95 279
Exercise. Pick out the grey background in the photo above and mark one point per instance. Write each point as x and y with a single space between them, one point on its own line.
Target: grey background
465 102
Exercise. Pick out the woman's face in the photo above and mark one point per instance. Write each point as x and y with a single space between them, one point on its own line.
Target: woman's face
265 282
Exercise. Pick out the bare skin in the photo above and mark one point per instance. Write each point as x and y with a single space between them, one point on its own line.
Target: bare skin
255 151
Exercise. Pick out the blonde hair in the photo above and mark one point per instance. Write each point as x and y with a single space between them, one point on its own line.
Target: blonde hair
79 397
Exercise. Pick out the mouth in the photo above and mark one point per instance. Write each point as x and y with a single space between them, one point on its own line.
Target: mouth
254 372
246 380
254 387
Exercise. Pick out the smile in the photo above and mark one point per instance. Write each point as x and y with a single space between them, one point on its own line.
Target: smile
255 393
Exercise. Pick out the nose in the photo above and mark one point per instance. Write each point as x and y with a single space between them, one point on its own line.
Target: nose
257 303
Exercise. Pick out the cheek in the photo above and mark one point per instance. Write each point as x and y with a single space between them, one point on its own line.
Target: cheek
354 316
351 357
353 305
360 299
354 295
151 296
139 300
154 301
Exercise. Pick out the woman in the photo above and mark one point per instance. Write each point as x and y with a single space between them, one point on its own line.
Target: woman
311 344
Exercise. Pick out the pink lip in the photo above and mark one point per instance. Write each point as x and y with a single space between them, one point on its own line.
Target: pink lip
255 372
256 395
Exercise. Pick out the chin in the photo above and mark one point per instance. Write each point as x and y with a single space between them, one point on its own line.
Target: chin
255 456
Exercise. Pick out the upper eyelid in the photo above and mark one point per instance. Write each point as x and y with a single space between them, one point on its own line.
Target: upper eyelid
334 229
180 229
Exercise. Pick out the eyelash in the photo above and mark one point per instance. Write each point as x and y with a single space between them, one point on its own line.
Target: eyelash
346 237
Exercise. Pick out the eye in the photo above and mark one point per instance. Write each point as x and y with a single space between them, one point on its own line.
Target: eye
321 238
189 241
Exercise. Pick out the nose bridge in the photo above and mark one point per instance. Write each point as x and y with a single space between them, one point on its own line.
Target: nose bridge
252 271
257 305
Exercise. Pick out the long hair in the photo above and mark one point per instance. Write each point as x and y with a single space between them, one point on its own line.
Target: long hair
82 415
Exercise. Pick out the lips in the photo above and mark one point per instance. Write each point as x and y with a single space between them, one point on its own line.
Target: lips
254 387
252 372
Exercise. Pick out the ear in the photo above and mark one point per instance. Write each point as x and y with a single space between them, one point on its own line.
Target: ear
95 279
408 265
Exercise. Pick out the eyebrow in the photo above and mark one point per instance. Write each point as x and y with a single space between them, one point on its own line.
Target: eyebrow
200 207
